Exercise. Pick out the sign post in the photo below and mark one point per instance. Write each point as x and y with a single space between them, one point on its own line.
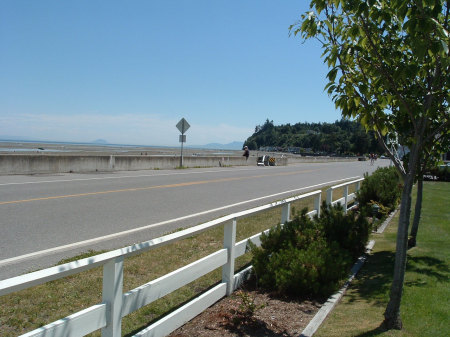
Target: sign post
183 126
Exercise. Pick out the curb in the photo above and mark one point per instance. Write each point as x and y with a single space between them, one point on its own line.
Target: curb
386 222
329 305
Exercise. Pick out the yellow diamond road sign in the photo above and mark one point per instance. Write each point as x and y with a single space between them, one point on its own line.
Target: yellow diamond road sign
183 126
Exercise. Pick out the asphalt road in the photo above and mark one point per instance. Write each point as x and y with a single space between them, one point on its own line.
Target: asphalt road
46 218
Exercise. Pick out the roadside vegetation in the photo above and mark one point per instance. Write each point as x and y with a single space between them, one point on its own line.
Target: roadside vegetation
310 257
388 64
383 189
29 309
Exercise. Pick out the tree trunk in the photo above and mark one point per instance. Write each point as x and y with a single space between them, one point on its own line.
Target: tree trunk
417 213
392 319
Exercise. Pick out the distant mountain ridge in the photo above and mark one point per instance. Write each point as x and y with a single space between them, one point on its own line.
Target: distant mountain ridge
218 146
6 138
212 146
99 141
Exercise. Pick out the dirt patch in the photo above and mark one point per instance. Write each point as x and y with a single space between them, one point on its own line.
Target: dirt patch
274 316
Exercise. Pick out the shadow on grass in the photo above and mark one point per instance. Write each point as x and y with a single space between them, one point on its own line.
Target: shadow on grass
375 332
429 266
374 279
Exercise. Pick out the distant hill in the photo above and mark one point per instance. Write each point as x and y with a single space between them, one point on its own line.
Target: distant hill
342 137
13 138
99 141
229 146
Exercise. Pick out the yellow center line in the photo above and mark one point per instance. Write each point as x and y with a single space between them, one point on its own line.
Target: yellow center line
191 183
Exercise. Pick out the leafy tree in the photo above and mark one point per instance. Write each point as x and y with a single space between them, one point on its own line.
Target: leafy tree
360 142
345 147
389 68
252 145
315 142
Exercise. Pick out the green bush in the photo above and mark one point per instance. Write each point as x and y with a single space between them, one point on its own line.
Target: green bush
351 232
382 187
309 257
439 173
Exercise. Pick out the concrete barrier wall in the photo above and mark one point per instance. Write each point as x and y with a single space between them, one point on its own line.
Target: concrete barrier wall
29 164
320 159
58 163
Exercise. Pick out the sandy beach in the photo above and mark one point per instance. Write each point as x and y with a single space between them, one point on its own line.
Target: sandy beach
18 147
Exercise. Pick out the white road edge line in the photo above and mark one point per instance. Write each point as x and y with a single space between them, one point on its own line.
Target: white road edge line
115 235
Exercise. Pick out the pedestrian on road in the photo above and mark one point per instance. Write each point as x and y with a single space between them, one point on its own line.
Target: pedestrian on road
246 152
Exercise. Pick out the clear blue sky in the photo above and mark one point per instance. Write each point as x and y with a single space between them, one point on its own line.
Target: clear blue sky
128 71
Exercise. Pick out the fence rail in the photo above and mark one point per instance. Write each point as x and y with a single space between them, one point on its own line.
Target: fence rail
347 198
116 304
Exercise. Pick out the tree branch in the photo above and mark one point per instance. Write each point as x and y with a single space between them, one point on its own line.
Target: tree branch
391 155
442 127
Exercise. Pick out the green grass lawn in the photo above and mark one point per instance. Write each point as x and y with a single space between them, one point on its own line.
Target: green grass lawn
425 308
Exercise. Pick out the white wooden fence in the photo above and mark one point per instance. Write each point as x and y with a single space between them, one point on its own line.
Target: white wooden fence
347 198
116 304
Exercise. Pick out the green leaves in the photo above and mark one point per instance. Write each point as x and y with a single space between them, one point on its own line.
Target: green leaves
332 74
444 48
362 8
355 31
382 56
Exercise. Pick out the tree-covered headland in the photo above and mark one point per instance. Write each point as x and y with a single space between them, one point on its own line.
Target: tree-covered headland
343 137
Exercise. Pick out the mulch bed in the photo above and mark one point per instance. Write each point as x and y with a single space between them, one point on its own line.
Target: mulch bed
274 316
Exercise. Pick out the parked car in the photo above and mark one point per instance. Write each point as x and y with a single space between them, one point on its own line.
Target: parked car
266 161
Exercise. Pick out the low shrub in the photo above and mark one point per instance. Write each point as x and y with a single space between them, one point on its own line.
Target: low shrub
439 173
383 211
350 231
246 309
382 187
310 257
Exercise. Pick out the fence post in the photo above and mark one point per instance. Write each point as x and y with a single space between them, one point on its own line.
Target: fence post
229 242
317 203
345 199
285 212
329 196
112 296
